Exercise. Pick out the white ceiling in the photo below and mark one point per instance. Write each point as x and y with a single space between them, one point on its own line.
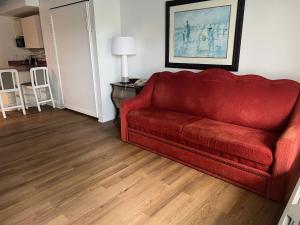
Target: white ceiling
19 8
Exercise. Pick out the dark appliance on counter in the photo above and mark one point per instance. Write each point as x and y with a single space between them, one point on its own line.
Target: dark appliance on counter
20 42
33 61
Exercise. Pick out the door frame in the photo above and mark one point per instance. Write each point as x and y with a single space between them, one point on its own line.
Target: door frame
92 46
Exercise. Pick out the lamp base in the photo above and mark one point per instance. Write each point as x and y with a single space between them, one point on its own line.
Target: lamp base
124 79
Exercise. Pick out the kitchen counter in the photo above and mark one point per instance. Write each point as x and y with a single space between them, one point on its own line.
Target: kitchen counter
23 67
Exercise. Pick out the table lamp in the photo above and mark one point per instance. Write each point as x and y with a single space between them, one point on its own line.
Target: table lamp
124 46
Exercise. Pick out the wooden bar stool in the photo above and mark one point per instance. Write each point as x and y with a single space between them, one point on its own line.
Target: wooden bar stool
39 85
9 83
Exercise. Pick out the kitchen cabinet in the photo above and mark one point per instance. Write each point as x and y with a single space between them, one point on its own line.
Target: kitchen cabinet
18 27
32 32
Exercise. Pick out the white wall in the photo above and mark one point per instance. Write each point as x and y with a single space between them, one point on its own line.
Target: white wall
8 48
32 3
106 25
270 44
145 20
271 34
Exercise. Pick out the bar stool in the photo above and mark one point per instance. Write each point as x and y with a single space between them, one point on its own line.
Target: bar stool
11 84
39 84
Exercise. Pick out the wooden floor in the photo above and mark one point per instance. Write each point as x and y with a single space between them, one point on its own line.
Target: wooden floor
59 167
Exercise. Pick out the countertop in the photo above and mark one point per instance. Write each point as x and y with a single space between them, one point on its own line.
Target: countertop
23 66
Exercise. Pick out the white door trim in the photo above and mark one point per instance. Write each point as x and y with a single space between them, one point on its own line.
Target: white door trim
91 44
56 58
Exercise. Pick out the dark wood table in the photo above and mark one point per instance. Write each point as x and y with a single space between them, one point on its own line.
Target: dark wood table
122 91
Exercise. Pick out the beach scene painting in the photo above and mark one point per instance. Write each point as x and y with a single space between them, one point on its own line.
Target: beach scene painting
202 33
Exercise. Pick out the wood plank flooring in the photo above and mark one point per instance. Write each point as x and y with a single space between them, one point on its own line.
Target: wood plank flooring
59 167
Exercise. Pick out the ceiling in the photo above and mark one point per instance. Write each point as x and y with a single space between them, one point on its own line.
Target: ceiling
19 8
22 11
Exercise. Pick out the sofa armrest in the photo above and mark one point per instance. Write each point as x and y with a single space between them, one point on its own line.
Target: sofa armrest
143 100
287 158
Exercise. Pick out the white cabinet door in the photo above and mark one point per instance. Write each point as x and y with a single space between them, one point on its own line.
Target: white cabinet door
32 32
71 35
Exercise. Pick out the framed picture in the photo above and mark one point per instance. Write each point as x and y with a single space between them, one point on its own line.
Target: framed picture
202 34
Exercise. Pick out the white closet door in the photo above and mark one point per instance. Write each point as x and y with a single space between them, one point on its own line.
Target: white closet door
71 36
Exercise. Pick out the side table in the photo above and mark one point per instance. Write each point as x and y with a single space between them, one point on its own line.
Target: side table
122 91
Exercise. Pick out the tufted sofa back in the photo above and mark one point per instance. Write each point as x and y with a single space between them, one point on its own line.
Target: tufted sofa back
248 100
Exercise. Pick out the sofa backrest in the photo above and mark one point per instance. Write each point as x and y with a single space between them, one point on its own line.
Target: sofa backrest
248 100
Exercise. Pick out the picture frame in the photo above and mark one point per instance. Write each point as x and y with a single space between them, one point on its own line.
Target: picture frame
203 34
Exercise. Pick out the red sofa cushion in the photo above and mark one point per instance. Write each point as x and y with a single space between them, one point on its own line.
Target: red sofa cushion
250 100
162 123
245 145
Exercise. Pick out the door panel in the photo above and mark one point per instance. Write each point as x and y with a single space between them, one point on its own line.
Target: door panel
71 37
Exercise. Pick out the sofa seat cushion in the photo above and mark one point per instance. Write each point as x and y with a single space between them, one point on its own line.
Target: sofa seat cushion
245 145
162 123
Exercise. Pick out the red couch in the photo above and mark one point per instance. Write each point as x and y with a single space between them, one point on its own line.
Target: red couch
242 129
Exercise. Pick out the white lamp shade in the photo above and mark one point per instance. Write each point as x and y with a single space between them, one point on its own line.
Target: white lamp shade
123 46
